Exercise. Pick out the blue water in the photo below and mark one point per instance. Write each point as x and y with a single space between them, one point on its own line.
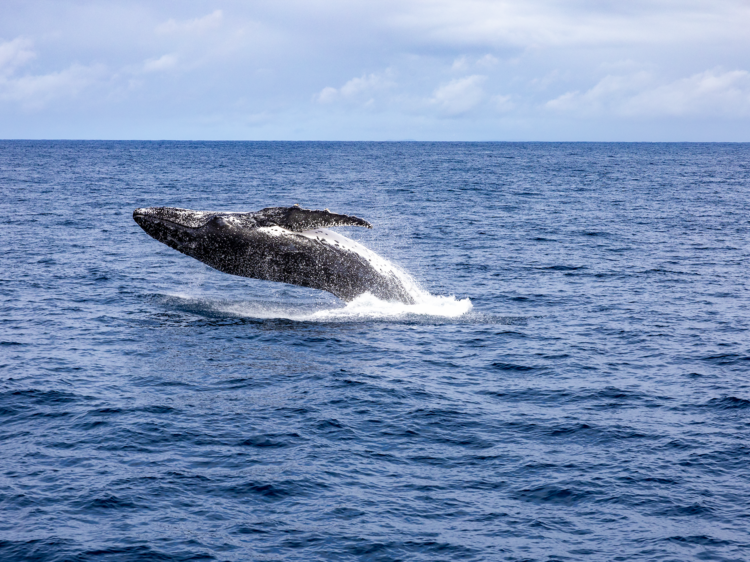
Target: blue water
589 401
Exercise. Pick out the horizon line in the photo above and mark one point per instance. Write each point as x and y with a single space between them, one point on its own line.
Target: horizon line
393 141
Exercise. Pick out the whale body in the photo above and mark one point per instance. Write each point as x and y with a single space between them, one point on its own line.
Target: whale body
284 244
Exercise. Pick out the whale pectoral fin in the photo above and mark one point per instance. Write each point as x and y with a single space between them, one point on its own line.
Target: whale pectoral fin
298 219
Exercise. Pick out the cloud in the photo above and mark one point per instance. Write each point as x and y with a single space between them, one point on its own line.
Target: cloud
164 62
487 61
36 91
503 104
451 99
550 23
358 88
196 26
457 68
328 95
462 64
14 54
459 96
709 93
609 92
712 92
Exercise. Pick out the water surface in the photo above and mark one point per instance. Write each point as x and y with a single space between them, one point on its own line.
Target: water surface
577 387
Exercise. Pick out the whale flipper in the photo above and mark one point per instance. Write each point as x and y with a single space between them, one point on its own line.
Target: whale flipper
297 219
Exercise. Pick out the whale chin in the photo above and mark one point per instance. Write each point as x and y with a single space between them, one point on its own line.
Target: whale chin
283 244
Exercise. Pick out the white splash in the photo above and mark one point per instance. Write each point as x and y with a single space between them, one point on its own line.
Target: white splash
364 307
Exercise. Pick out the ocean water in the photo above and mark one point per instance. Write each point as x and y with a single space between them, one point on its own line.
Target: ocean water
573 385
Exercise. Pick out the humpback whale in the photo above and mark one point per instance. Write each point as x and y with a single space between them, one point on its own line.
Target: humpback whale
285 244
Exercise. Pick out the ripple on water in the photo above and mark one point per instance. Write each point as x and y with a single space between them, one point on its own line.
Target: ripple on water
571 383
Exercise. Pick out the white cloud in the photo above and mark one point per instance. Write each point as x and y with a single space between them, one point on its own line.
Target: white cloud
487 61
503 104
550 23
459 96
609 92
451 99
459 67
14 54
164 62
197 25
364 86
569 101
462 64
544 82
710 93
36 91
328 95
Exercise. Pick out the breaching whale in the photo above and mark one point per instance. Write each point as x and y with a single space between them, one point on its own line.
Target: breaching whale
286 244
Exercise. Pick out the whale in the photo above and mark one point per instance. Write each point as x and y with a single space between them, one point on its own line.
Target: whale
282 244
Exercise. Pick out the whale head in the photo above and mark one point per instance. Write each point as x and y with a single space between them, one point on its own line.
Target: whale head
200 234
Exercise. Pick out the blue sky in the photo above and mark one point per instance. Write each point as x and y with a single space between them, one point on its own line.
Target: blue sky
658 70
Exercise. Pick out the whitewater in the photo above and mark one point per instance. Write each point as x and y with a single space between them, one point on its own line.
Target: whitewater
364 307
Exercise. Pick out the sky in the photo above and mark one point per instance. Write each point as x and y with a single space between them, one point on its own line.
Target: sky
442 70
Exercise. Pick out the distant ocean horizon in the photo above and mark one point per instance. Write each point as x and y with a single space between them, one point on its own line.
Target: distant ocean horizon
582 142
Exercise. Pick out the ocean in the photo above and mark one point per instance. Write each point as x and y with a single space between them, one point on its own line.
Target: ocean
573 385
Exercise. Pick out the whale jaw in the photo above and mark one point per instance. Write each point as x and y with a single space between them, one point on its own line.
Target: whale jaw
175 229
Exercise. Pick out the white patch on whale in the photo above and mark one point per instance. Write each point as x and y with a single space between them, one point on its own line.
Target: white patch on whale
275 231
336 240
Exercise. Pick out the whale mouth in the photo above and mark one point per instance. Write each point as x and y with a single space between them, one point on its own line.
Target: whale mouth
174 227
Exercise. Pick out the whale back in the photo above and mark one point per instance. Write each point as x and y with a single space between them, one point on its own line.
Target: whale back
298 219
